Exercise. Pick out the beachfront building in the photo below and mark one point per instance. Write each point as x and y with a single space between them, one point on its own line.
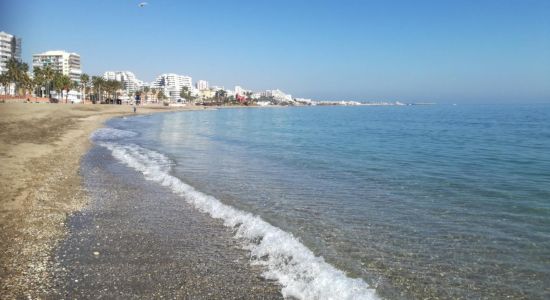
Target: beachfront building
241 91
130 82
202 85
304 101
277 95
206 94
10 47
64 62
172 84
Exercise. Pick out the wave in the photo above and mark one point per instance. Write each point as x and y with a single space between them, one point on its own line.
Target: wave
106 134
301 274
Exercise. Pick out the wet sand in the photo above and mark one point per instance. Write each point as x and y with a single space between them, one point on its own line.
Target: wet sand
40 150
137 239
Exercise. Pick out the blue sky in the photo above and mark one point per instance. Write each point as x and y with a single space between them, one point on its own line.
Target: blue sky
440 50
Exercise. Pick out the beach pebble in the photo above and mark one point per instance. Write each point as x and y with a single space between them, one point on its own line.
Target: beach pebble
96 253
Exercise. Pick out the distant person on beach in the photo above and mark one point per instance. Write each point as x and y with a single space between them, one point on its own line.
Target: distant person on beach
135 108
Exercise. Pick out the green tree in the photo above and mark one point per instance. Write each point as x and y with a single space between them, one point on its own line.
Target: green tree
75 85
154 93
146 92
160 95
99 86
17 73
220 96
39 81
186 94
28 84
48 74
62 83
112 87
5 82
84 83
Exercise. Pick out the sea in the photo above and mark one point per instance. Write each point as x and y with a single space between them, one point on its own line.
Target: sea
363 202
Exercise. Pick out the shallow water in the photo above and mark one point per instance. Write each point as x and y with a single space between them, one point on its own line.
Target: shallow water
415 202
138 240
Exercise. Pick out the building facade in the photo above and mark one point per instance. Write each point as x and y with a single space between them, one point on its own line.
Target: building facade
202 85
172 84
277 95
128 79
64 62
10 47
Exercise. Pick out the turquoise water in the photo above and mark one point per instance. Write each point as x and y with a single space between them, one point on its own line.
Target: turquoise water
417 201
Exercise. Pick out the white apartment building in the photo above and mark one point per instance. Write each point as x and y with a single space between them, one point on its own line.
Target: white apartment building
202 85
66 63
128 79
240 91
277 95
171 84
10 47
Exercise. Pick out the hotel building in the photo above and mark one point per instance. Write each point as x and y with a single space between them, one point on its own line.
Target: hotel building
128 79
66 63
202 85
10 47
171 84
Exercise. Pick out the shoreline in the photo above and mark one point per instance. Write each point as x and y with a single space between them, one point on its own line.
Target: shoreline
137 239
41 146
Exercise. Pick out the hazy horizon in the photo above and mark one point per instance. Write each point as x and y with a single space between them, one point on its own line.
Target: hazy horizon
441 51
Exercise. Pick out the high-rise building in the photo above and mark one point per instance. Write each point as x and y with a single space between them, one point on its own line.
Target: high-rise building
10 47
240 91
202 85
277 95
66 63
171 84
128 79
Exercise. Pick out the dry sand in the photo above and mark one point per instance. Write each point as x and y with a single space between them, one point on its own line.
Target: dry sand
40 150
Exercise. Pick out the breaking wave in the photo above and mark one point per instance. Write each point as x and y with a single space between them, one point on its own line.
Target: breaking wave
301 274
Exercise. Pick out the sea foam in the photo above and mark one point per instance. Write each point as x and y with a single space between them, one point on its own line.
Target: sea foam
106 134
301 274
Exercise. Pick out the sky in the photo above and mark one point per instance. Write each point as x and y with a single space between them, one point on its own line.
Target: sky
413 51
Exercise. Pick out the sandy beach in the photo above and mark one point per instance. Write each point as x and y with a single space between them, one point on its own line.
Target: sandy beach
41 146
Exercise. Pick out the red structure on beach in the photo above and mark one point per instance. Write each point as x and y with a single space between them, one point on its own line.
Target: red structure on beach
240 98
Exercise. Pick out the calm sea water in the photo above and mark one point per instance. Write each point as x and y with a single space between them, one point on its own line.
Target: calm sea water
414 202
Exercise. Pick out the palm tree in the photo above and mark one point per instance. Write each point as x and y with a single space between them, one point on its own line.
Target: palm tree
84 83
48 74
160 95
220 94
4 82
146 91
75 85
28 84
38 78
186 94
61 83
248 96
154 94
112 87
98 82
17 73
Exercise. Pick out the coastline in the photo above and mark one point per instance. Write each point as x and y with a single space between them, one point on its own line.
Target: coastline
41 146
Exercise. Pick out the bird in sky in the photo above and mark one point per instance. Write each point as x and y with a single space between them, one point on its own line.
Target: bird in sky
142 4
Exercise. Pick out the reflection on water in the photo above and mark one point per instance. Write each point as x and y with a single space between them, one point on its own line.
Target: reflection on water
433 201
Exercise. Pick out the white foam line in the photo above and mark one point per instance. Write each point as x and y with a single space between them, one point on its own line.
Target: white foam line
301 274
108 133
